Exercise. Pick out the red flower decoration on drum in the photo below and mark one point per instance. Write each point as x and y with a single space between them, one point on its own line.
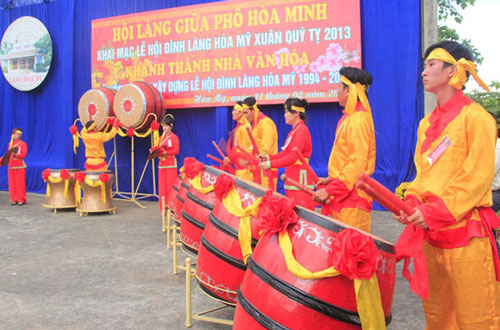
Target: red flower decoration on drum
355 254
130 132
276 214
80 176
192 168
64 174
104 177
46 174
223 186
73 129
155 126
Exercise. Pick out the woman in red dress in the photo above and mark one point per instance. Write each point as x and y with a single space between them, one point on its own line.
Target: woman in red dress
168 148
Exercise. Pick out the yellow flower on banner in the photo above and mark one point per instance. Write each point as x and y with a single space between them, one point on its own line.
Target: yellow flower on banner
232 203
368 298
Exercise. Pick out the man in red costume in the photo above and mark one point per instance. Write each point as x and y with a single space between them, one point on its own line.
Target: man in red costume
300 138
451 195
266 137
168 148
94 145
17 168
353 153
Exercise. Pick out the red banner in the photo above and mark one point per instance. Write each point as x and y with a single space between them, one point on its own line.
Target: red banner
219 53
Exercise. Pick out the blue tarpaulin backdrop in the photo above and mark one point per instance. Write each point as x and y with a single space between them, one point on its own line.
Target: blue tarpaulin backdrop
391 51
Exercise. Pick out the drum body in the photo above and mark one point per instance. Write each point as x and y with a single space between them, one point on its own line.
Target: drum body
172 196
97 105
271 296
220 261
58 198
135 103
180 198
195 212
94 199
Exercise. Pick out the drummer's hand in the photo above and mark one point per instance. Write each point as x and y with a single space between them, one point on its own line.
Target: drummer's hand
226 161
401 217
321 196
243 162
418 220
263 157
322 182
265 165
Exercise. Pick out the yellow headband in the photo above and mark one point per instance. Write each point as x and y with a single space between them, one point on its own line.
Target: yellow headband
356 91
238 107
297 108
18 131
92 126
459 78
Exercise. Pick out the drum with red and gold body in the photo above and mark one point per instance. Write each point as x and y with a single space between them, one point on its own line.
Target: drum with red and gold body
136 103
97 105
271 297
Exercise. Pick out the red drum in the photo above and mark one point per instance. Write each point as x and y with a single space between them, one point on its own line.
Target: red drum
195 212
172 196
180 199
272 297
97 105
220 263
135 102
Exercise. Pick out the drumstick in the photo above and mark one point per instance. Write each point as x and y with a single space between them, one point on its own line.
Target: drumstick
383 195
215 158
308 167
254 144
286 179
218 149
249 156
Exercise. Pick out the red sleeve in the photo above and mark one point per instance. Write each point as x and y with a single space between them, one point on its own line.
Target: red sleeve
337 189
174 149
436 214
21 154
300 139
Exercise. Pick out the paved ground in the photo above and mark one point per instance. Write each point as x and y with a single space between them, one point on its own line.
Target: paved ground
62 271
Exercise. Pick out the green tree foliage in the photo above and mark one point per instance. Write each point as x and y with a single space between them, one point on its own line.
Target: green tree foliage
449 9
490 101
44 46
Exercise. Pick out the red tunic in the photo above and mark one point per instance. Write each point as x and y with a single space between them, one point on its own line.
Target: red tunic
167 166
17 172
298 137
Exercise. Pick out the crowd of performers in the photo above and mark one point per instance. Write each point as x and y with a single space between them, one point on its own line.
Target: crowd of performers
452 232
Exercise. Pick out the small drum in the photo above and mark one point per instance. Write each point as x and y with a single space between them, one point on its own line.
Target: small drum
272 297
97 105
221 267
195 212
61 190
97 193
134 103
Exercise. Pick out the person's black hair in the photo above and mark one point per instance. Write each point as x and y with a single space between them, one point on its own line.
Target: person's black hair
455 49
299 103
250 101
168 120
87 124
239 103
356 75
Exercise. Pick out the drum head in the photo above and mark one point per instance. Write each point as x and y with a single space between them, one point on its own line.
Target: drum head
130 106
94 105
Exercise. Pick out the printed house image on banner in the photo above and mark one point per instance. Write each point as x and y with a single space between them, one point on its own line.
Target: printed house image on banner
24 57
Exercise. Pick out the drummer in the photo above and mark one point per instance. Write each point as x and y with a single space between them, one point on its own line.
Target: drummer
239 137
17 168
94 145
353 153
266 137
299 136
168 148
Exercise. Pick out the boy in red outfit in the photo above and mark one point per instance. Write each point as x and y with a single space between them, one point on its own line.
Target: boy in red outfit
17 168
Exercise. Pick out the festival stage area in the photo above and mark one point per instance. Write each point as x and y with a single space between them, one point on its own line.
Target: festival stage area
63 271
